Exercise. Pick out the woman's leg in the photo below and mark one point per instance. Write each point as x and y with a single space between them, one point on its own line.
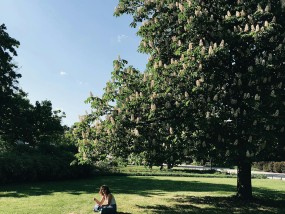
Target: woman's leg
109 209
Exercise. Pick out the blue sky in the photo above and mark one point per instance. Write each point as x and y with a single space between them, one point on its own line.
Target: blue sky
67 49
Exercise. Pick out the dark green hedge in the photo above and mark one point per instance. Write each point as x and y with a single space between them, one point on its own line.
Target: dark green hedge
269 166
33 166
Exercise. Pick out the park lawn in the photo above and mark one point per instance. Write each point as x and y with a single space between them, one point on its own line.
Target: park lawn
143 194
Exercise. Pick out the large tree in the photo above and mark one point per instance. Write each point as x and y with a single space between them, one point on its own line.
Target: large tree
214 85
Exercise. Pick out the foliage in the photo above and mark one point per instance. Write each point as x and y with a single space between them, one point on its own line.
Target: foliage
44 164
270 166
8 76
20 121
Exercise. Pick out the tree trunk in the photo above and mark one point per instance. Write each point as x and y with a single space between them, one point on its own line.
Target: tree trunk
244 188
169 166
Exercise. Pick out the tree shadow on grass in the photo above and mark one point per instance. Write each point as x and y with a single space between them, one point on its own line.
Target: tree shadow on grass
209 204
144 186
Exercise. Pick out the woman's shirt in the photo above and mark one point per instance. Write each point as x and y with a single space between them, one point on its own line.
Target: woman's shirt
113 200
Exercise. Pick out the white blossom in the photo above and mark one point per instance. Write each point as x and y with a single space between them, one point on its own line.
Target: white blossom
229 14
246 28
222 44
136 132
273 19
210 51
259 8
153 107
276 114
198 83
257 97
270 57
257 28
200 67
263 62
266 24
248 154
207 114
203 49
177 104
283 3
237 14
112 120
152 83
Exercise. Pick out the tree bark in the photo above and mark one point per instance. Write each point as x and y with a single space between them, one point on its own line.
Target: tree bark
244 187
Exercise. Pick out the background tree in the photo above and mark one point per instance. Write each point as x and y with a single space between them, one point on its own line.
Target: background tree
8 77
19 119
33 143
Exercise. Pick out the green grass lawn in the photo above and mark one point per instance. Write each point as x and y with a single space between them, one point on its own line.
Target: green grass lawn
143 194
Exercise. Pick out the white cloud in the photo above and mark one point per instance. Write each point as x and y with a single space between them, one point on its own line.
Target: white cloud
121 37
62 73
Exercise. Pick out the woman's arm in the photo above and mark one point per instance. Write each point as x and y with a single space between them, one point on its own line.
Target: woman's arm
99 202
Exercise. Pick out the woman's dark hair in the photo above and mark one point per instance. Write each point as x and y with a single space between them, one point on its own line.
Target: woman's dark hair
104 187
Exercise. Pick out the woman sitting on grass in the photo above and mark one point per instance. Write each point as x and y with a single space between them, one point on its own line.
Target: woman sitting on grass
107 204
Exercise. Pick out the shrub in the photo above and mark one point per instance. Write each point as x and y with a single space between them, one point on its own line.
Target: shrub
282 167
33 166
268 167
277 167
258 165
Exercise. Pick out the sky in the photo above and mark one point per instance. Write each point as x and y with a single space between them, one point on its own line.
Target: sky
67 48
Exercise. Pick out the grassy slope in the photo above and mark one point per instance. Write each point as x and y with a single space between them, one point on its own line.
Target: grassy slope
147 194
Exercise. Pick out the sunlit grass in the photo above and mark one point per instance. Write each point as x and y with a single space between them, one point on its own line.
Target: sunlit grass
147 194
